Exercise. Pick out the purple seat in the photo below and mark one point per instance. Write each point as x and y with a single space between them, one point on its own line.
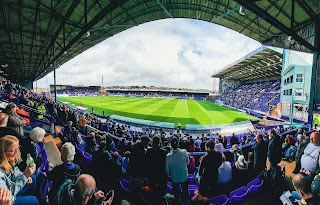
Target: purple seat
256 181
253 189
126 185
192 188
219 200
169 187
238 196
87 157
191 179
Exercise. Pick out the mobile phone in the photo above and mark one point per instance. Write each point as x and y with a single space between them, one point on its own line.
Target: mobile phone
108 195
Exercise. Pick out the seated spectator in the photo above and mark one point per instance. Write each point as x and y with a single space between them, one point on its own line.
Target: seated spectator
67 170
303 187
225 171
236 150
15 121
11 178
4 130
24 114
68 129
311 154
30 145
241 164
81 192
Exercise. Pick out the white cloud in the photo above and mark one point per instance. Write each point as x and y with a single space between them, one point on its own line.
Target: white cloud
171 52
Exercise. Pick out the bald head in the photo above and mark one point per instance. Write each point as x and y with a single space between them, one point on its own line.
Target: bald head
3 119
84 188
315 138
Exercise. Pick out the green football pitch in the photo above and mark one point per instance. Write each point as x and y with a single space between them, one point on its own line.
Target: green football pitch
161 109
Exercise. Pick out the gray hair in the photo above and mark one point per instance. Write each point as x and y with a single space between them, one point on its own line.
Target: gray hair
37 134
68 151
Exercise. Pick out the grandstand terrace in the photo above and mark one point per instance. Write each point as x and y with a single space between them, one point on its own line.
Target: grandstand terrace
160 92
252 82
69 90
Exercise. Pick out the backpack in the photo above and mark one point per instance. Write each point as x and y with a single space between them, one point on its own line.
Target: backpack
64 194
198 199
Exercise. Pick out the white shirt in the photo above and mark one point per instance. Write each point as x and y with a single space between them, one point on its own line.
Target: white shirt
176 165
225 172
310 157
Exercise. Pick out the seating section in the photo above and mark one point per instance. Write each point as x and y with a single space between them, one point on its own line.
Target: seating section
254 96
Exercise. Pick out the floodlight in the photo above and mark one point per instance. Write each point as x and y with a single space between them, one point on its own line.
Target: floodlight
88 34
242 10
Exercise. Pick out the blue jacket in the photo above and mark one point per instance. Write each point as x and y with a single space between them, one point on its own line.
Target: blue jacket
14 182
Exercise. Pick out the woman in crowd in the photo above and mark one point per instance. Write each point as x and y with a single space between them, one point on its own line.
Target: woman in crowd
20 184
30 146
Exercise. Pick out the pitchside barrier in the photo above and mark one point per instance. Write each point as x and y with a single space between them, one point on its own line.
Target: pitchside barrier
226 129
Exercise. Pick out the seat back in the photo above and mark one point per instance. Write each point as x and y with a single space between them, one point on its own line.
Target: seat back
219 200
238 196
256 181
126 185
256 188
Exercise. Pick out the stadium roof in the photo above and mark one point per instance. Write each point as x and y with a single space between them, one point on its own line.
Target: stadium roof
35 34
261 63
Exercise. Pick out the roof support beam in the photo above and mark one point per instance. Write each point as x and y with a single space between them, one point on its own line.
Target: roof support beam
61 25
306 8
271 20
113 5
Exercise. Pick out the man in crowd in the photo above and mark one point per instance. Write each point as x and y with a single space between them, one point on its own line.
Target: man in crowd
208 169
177 166
260 149
311 154
303 187
79 193
4 130
137 163
274 149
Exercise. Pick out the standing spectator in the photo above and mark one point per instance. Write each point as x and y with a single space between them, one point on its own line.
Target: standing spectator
224 141
225 171
156 160
15 121
208 169
234 139
197 144
82 124
274 149
136 170
19 183
260 149
177 166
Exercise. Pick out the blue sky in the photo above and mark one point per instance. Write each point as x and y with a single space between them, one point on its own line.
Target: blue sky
180 53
